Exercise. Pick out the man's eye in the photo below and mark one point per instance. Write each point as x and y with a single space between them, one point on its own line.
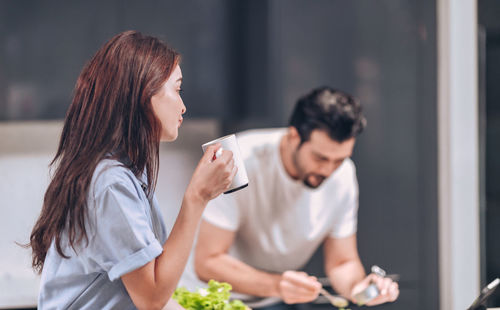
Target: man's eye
319 158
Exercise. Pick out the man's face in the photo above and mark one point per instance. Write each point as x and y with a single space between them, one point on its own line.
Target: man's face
316 159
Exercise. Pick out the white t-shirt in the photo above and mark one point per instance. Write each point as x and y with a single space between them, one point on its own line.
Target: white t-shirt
279 222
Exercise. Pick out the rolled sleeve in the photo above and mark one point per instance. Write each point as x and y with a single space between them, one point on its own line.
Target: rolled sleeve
134 261
124 239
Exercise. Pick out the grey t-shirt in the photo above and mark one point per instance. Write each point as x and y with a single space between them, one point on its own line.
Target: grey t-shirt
125 231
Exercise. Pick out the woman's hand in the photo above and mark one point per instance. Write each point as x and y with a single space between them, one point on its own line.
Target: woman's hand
212 176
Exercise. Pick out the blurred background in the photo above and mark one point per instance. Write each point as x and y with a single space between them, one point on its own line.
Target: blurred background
425 72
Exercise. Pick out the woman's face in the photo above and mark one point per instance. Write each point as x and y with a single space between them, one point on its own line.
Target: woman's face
169 107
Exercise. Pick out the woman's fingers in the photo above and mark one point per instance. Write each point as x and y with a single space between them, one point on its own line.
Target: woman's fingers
210 152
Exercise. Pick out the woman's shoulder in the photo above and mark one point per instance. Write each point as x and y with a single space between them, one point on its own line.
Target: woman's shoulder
109 173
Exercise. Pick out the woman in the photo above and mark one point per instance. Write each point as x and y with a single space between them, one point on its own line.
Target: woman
100 241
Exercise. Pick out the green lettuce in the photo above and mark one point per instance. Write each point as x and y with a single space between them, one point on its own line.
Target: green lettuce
215 297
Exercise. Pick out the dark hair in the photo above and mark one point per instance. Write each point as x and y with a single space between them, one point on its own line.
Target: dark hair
325 108
111 112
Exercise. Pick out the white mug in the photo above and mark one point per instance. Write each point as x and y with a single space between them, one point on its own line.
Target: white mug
230 143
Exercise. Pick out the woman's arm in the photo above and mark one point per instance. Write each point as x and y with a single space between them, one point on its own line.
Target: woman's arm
152 285
172 305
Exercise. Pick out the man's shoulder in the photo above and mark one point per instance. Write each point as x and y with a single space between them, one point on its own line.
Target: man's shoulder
259 141
348 166
345 175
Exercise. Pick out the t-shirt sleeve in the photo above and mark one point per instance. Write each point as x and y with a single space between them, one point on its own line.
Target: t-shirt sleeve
346 221
223 212
123 239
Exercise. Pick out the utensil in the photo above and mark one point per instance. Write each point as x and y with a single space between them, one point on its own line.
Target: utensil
337 301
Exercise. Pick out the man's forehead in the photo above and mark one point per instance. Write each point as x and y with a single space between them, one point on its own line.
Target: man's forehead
320 137
321 143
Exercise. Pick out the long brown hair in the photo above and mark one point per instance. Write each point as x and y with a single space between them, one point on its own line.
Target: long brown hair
111 112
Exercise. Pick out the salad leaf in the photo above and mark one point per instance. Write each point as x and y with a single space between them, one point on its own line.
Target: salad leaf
215 297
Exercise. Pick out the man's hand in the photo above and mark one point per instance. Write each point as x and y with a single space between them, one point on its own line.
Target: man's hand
389 290
298 287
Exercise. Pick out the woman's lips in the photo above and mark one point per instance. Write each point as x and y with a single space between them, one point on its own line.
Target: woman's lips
180 122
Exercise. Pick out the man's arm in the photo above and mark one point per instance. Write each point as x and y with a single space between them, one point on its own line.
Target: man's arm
342 264
347 275
213 262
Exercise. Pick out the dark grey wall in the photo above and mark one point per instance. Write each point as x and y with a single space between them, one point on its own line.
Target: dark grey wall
44 45
488 12
245 63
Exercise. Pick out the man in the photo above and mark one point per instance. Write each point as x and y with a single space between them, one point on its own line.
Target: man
302 193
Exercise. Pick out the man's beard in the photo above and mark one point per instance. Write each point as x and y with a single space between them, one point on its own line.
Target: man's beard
305 177
319 180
